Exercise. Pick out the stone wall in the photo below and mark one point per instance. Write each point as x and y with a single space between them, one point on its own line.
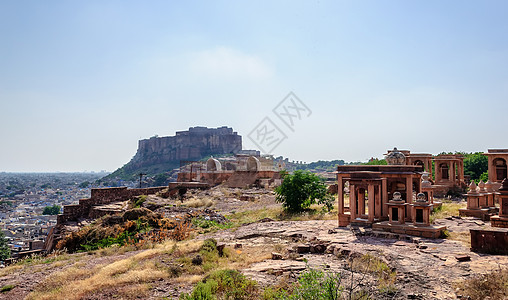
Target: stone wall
102 196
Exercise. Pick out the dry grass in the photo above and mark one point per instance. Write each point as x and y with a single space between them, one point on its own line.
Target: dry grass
10 269
189 279
134 274
278 214
447 209
463 236
493 286
198 202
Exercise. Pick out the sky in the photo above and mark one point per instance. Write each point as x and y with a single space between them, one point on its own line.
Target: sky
82 81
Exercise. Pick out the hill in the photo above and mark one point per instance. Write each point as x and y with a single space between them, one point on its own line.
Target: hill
162 154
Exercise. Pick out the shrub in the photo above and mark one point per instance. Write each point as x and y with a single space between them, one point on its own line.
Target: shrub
138 201
223 284
181 231
313 284
51 210
6 288
300 190
5 251
493 285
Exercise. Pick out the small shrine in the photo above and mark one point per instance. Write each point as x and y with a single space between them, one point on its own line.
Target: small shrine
397 209
480 201
421 210
420 225
501 220
371 187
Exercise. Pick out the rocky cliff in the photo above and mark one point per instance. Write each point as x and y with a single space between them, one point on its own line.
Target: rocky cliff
161 154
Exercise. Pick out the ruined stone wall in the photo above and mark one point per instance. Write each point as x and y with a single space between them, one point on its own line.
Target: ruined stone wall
102 197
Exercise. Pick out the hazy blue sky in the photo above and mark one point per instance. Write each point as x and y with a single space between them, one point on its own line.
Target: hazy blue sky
82 81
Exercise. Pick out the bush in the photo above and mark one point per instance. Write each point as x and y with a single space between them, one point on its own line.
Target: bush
7 288
313 284
5 252
492 285
223 284
51 210
300 190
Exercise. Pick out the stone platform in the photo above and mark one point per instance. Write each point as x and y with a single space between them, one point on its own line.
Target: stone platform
431 231
484 214
493 241
497 221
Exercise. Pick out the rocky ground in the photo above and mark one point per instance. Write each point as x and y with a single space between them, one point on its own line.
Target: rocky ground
425 269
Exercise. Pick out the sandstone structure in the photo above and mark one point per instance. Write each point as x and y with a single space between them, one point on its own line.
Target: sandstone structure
161 154
480 201
497 166
371 187
236 172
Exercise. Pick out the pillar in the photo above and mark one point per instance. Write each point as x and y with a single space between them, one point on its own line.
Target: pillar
361 201
372 199
352 200
378 202
340 193
384 197
409 193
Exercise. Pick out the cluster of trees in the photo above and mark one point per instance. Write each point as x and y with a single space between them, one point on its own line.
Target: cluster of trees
51 210
476 165
328 165
5 252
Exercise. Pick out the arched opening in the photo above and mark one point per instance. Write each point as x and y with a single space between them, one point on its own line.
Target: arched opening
445 171
346 198
213 165
419 163
397 186
253 164
500 169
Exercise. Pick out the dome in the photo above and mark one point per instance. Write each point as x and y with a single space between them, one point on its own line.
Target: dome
421 197
481 185
488 186
397 197
425 180
395 157
472 187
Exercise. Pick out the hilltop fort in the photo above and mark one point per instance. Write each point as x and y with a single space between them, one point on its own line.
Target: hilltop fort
160 154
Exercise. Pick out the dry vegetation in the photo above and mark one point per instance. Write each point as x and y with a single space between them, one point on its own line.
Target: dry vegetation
132 270
170 260
493 286
447 209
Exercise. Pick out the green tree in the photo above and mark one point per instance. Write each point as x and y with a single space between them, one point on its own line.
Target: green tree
84 184
475 164
51 210
376 162
302 189
160 179
5 252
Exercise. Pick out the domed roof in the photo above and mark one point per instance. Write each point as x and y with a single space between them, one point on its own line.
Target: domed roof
472 187
397 197
481 185
421 197
425 180
395 157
